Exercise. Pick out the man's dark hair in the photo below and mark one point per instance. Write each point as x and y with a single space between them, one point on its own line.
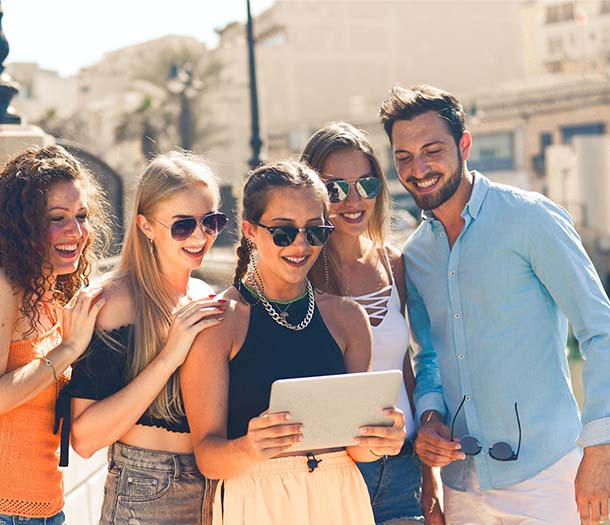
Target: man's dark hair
406 104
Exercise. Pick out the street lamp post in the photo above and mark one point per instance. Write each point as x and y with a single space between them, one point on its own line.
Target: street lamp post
255 140
8 88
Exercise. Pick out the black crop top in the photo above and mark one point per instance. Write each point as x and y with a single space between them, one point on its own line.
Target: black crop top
99 374
271 351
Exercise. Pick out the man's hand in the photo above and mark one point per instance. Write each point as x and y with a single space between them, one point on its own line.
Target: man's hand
592 485
432 444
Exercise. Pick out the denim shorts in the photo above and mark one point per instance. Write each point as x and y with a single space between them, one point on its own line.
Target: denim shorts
394 485
145 487
7 519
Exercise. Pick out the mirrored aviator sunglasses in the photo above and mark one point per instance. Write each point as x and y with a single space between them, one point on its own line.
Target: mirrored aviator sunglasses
285 235
213 223
367 188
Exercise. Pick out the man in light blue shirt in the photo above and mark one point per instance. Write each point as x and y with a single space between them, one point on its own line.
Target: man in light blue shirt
493 275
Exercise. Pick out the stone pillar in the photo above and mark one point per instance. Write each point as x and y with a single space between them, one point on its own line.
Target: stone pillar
17 137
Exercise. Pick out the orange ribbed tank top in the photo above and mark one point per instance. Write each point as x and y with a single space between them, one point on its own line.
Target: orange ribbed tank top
31 483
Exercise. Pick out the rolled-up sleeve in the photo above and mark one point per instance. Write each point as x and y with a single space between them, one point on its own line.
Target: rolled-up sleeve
564 268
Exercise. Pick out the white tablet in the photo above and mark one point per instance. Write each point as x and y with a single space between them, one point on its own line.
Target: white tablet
333 408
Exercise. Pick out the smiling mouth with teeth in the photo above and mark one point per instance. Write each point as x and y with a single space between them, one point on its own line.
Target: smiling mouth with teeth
194 251
67 250
423 184
295 260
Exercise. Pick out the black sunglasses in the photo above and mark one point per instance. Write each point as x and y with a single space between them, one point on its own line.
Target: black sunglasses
499 451
285 235
367 188
213 223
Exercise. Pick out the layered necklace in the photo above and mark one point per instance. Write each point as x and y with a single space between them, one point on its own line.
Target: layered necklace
280 317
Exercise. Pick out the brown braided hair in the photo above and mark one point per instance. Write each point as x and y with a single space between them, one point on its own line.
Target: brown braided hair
261 181
24 185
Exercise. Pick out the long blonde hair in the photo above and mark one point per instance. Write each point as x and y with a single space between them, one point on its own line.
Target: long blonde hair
155 302
341 136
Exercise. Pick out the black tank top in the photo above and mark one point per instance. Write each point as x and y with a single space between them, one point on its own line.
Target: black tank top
271 351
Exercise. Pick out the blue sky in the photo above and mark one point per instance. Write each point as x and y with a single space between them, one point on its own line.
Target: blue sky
65 35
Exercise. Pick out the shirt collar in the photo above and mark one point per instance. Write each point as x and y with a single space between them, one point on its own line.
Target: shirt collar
480 186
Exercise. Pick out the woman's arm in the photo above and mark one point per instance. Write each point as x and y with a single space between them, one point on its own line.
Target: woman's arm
430 496
118 413
204 381
25 382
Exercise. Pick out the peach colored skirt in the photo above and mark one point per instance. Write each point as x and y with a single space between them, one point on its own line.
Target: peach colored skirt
281 491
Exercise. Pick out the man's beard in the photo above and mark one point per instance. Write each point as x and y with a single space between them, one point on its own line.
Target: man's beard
444 193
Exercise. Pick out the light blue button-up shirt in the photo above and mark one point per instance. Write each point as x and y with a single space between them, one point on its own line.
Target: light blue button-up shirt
488 321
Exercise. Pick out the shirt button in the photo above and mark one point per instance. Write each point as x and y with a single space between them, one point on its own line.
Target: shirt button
452 273
442 234
457 316
461 356
467 398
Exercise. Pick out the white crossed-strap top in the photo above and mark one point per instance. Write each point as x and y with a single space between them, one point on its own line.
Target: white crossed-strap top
390 337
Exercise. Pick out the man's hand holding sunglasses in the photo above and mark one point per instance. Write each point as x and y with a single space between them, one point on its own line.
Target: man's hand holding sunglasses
433 444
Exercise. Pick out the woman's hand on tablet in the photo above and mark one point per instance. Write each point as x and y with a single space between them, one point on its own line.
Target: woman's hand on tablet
384 441
271 434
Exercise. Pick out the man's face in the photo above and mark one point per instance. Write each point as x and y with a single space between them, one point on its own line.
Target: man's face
428 161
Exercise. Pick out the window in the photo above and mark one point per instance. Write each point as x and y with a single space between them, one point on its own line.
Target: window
492 152
538 161
569 132
559 13
555 45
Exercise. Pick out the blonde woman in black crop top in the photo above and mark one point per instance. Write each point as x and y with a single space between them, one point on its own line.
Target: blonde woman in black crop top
277 326
125 392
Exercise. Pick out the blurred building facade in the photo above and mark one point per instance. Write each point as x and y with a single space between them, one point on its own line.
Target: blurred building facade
533 74
321 60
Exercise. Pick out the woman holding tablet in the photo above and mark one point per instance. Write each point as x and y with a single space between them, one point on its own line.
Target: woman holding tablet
361 266
276 327
125 391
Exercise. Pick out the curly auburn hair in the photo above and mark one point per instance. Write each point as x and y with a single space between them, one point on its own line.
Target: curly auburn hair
24 184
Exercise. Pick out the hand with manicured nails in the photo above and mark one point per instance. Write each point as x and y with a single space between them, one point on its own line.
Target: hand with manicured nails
78 318
270 434
384 441
188 322
433 445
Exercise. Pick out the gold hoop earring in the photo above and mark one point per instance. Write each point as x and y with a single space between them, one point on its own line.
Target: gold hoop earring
326 272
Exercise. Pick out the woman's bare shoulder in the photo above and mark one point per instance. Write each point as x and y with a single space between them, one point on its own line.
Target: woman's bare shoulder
119 308
9 296
340 307
199 289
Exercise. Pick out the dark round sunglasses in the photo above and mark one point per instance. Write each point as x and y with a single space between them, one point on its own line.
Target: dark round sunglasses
285 235
213 223
499 451
367 188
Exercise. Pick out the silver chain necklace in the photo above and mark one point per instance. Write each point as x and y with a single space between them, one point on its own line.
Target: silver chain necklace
278 318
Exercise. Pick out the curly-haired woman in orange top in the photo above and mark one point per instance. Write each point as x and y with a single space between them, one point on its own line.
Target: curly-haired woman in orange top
48 206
